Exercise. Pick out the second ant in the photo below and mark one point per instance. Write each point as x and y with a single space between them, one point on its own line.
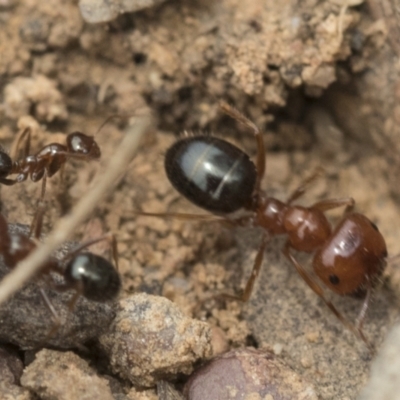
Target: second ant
48 160
87 274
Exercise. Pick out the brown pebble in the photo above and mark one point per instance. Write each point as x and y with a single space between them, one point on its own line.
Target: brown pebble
8 391
247 374
151 339
219 342
64 376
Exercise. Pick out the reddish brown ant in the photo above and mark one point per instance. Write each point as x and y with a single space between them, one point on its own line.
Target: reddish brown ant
47 161
88 274
220 178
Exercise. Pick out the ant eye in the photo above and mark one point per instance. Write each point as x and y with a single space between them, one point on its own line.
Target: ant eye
334 279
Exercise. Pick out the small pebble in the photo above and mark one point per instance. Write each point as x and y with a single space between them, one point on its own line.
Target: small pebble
64 376
247 374
151 339
9 391
95 11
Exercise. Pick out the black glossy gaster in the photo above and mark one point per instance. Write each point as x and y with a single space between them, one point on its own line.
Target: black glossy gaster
100 280
211 173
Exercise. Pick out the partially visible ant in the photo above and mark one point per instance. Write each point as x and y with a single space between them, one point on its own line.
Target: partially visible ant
220 178
47 161
88 274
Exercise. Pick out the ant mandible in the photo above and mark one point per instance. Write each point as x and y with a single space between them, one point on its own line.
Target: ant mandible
88 274
220 178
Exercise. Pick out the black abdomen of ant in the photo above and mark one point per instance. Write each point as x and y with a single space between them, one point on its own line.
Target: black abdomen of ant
211 173
98 278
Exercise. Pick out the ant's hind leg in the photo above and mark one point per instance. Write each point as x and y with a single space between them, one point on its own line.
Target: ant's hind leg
247 291
238 116
182 216
316 288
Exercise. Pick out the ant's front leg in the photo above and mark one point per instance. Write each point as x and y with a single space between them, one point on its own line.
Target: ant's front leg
15 148
330 204
304 185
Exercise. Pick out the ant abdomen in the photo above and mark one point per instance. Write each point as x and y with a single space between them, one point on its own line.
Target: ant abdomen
353 258
95 277
211 173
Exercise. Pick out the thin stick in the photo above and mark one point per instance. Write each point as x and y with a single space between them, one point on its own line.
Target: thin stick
68 224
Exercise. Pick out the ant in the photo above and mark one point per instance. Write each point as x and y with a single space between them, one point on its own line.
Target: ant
220 178
88 274
47 161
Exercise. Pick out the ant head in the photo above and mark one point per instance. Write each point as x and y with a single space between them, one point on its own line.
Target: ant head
97 278
5 164
81 144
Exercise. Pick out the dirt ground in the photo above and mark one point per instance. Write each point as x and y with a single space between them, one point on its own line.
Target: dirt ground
318 77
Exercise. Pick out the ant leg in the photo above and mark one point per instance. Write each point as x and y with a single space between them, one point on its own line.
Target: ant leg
25 152
71 305
109 237
316 288
238 116
330 204
247 291
62 173
37 222
110 118
182 216
197 217
5 241
363 311
8 182
304 185
114 251
57 320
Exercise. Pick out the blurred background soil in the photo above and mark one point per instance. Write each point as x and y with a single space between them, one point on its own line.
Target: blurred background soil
320 78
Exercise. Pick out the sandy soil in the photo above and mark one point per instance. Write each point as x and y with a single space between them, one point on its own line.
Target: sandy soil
320 80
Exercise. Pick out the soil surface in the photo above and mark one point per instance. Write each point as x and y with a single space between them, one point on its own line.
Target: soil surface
320 79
